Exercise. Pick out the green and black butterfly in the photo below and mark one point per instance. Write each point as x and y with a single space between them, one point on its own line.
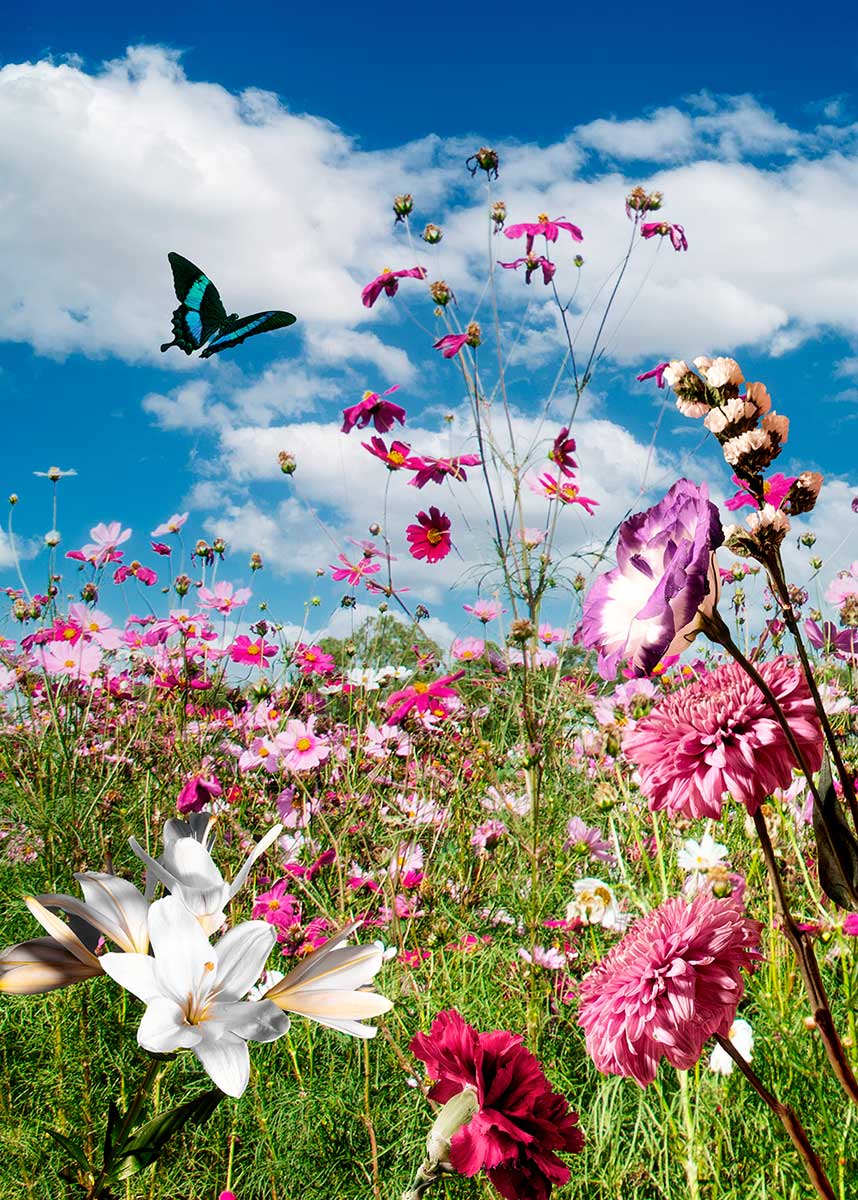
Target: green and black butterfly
201 317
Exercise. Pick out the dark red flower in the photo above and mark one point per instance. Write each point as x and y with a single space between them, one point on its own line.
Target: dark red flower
435 470
520 1123
561 452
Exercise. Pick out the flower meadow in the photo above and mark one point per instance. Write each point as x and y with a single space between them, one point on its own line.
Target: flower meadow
556 909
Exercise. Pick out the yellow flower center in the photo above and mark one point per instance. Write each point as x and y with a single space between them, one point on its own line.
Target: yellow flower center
303 744
367 395
252 649
396 456
273 905
68 634
420 688
433 536
263 751
543 218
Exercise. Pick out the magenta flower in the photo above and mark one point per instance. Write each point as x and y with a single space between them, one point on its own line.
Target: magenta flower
135 570
842 643
532 263
543 225
648 605
312 660
668 986
561 452
198 791
676 233
161 548
388 281
421 696
775 490
452 343
394 458
435 470
657 373
587 841
252 653
353 572
719 735
278 906
566 492
373 407
520 1123
430 538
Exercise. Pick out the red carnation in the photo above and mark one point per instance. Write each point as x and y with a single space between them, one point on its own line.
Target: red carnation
520 1121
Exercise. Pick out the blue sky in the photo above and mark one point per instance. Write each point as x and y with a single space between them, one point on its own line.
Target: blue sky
269 153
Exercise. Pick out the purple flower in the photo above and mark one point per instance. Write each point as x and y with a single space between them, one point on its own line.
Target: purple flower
842 643
532 262
664 229
374 408
657 373
388 281
647 607
587 841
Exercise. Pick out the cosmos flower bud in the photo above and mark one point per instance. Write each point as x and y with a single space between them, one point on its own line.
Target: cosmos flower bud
182 585
498 214
486 160
432 234
89 593
52 538
348 602
287 462
521 630
639 200
475 334
421 612
255 561
219 546
375 529
578 260
440 292
403 206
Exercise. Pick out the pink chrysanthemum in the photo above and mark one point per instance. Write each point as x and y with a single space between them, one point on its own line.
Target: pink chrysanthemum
668 986
720 735
520 1122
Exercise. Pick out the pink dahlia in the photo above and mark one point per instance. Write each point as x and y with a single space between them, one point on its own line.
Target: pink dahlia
668 986
520 1122
719 735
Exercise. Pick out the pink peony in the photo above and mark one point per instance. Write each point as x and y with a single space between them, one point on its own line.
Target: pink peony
520 1122
668 986
719 735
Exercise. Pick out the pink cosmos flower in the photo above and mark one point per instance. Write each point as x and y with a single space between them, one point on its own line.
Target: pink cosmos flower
135 570
719 735
485 610
388 282
312 660
430 538
161 548
587 841
173 525
278 907
198 791
252 653
775 490
222 597
543 225
435 470
520 1123
531 263
676 233
657 373
668 986
373 407
394 458
467 649
74 661
102 549
420 696
842 643
452 343
262 752
843 587
566 492
486 837
303 748
95 626
353 572
561 452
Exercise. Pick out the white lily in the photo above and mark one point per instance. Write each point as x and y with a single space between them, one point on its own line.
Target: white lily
328 986
192 991
111 906
186 869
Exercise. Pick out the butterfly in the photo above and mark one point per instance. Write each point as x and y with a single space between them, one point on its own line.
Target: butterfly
201 317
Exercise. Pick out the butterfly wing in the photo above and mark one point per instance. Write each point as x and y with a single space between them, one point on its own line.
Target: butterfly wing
236 331
200 313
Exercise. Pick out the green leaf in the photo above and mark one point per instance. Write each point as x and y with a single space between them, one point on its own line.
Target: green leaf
112 1118
837 848
71 1148
144 1144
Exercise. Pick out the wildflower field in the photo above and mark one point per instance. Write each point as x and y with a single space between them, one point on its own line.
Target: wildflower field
567 906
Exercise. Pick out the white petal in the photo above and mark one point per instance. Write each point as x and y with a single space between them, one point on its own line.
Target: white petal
312 964
41 965
260 848
135 972
120 908
227 1062
324 1005
164 1028
61 932
346 967
192 865
241 955
255 1021
184 961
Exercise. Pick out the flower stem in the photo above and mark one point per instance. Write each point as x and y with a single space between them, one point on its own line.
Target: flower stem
791 1123
691 1169
125 1127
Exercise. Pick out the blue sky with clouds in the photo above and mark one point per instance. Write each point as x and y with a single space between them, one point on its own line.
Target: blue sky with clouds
269 154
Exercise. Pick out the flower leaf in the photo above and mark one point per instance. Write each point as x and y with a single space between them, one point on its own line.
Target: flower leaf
144 1144
70 1147
836 845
